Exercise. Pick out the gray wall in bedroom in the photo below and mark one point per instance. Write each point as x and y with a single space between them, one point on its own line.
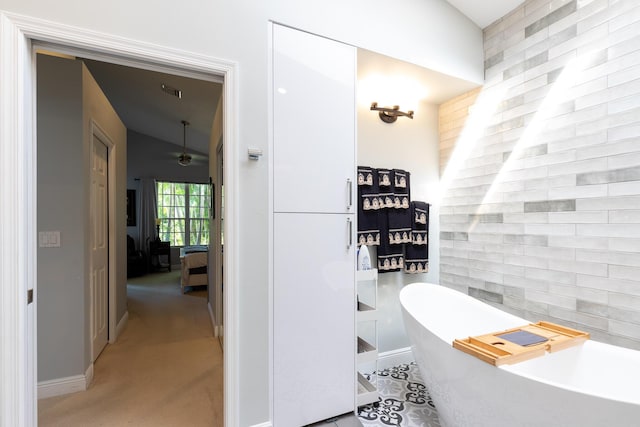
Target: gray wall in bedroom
542 214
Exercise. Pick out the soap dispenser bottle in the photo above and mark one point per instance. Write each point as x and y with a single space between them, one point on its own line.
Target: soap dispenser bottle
364 260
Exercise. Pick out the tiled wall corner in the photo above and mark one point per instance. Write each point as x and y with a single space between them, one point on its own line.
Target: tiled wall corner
451 121
540 169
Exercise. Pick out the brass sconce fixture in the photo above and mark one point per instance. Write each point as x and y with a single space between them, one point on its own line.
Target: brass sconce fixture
390 115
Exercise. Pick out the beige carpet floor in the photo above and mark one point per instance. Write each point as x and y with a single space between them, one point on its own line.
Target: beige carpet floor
165 369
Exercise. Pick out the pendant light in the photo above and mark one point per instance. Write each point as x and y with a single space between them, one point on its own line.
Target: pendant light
184 159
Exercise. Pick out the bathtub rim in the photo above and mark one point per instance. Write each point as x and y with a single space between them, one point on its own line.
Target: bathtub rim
512 369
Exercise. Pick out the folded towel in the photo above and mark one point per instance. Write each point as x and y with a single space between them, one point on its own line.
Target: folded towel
390 257
421 212
368 189
368 229
420 222
368 192
416 258
400 178
385 180
400 221
401 189
416 253
386 177
365 175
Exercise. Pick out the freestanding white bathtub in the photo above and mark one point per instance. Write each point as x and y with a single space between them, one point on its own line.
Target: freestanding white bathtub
593 384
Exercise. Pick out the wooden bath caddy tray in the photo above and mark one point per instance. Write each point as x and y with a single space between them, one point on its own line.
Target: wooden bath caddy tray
519 344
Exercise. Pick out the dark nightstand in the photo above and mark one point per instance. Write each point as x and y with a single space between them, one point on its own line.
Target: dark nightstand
158 250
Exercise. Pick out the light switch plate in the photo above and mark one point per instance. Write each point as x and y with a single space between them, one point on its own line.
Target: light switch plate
49 239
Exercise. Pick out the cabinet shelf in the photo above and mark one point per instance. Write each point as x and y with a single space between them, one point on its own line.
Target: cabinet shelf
366 312
366 352
367 392
366 275
367 319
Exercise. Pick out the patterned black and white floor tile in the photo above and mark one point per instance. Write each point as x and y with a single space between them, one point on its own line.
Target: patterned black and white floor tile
404 400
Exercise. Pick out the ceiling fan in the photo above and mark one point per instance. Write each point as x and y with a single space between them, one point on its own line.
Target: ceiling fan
184 159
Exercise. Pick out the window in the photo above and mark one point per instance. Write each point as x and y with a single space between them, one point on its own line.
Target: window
183 211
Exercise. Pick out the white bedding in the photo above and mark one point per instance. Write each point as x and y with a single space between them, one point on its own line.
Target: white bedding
196 259
189 261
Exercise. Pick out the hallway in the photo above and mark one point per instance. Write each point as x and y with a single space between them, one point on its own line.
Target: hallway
165 370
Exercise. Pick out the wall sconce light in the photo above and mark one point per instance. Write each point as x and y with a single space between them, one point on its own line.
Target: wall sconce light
390 115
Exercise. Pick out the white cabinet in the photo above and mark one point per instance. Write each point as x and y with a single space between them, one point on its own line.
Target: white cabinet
314 305
367 347
314 301
314 123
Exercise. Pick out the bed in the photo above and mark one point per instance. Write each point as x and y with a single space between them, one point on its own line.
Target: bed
193 264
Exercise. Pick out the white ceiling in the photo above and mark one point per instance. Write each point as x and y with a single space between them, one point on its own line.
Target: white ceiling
485 12
434 87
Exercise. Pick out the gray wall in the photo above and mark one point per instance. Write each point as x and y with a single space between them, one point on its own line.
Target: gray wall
67 101
432 33
542 211
62 325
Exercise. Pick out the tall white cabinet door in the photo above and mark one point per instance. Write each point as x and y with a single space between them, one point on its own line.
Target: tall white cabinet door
314 123
313 320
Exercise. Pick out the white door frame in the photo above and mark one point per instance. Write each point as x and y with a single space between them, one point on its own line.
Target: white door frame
18 167
218 274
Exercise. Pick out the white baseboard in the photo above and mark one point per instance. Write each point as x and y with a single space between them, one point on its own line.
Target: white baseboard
217 329
389 359
267 424
88 375
213 322
121 324
66 385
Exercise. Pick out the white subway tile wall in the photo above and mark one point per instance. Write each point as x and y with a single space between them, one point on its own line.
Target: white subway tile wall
540 209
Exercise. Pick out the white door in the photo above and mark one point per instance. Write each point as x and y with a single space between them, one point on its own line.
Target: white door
99 262
313 317
314 123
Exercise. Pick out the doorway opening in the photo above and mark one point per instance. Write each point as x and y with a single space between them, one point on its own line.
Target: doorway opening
19 126
102 88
